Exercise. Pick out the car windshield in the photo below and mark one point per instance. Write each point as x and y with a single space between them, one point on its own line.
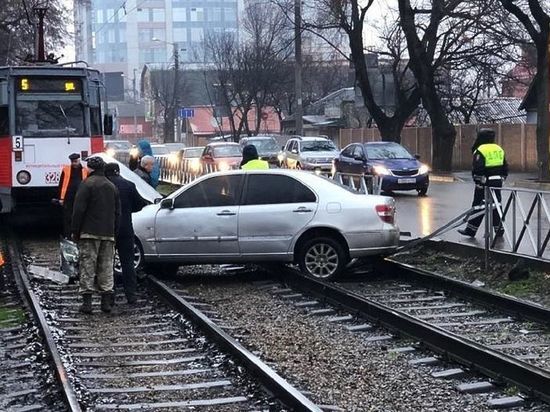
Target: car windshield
227 151
188 153
50 118
318 146
264 145
387 151
160 150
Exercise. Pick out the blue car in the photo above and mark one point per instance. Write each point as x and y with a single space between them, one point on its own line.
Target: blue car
398 168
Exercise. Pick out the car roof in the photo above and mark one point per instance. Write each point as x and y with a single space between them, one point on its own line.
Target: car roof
222 144
193 148
379 143
258 138
312 138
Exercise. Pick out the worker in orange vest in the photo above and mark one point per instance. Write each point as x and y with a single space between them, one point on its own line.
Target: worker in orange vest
71 177
2 283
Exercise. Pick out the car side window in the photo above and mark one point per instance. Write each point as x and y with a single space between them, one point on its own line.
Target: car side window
276 189
358 152
348 151
214 192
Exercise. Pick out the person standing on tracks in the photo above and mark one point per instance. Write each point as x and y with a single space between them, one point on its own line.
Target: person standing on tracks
251 160
71 177
489 168
94 226
130 202
145 168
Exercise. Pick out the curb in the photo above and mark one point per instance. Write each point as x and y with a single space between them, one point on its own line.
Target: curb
444 178
530 184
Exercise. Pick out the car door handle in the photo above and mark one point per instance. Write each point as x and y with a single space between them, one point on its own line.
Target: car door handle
226 213
302 210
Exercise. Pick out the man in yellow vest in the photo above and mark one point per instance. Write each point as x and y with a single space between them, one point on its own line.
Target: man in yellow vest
71 177
251 160
489 168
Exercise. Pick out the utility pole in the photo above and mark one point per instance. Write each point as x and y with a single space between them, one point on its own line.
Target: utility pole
135 104
176 91
299 112
40 48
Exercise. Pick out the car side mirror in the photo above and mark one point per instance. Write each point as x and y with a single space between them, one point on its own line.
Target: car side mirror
417 156
108 124
167 203
157 200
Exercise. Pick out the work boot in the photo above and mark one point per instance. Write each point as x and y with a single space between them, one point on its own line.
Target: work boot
106 302
86 303
466 232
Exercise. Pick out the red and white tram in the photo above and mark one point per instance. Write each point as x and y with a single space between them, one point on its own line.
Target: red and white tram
46 113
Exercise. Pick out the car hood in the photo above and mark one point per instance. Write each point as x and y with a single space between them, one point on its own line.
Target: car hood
144 190
396 164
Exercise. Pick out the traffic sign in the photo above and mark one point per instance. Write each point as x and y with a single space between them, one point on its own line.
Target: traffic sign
186 113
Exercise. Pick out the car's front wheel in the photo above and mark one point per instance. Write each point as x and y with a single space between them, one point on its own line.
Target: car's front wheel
322 258
138 260
422 192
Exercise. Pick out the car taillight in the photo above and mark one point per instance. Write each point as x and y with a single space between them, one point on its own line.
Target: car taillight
385 212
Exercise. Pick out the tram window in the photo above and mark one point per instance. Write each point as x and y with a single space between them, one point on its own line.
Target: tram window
50 118
95 121
4 121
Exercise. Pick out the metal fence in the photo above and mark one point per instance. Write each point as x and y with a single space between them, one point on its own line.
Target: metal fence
525 218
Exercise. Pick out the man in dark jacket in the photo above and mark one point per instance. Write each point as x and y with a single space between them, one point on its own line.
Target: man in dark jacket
95 223
71 177
130 202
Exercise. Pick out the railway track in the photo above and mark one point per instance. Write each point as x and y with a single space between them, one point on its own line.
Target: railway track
162 354
502 338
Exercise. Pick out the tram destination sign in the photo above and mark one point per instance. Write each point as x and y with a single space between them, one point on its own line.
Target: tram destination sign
48 85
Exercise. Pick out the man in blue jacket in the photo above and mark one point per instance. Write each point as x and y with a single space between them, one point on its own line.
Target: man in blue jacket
130 202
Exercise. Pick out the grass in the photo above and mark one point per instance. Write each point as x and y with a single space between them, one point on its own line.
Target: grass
166 188
11 317
537 283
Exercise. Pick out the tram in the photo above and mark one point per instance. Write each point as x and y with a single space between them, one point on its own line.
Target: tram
47 112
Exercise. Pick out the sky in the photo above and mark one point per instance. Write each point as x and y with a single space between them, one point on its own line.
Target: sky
68 51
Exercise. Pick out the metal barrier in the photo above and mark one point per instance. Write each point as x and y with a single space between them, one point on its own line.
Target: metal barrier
362 183
525 219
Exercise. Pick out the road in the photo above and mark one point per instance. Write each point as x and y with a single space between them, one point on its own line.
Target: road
422 215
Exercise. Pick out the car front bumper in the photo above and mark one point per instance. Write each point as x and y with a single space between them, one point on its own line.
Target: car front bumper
390 183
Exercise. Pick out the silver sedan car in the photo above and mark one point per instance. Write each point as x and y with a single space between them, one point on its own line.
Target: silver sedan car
265 216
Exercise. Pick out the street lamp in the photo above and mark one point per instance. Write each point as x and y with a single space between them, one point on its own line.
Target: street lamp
176 82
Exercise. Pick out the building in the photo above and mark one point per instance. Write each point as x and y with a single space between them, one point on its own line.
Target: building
124 35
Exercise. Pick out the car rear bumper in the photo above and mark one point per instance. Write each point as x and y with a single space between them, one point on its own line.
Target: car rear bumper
323 167
383 242
405 182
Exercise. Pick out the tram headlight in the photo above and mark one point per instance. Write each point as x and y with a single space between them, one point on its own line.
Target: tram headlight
23 177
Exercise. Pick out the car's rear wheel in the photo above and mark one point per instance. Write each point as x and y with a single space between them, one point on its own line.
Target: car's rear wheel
322 258
423 191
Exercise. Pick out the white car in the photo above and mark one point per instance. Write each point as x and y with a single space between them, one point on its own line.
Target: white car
271 215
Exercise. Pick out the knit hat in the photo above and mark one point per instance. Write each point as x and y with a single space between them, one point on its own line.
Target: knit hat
95 163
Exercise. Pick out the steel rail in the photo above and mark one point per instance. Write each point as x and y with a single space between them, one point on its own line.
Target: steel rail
23 282
492 363
506 303
273 382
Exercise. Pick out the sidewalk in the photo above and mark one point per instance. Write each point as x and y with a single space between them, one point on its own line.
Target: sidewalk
519 180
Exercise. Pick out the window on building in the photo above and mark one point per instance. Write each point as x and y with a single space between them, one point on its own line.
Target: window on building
180 34
197 14
179 14
99 16
230 14
122 35
216 14
111 35
122 15
196 34
110 16
158 15
143 15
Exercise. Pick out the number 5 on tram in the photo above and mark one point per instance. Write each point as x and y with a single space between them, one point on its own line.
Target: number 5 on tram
46 113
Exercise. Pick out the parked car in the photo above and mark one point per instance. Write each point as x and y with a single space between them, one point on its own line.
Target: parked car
267 146
112 147
192 155
174 147
309 153
399 169
273 215
160 150
221 156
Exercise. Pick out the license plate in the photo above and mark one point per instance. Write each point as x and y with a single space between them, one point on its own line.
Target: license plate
406 181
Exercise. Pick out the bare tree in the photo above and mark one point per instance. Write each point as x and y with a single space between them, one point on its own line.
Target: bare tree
536 21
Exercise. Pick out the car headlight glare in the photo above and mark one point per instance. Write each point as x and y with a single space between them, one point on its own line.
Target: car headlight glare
281 157
423 170
195 165
223 166
173 159
23 177
110 152
381 170
134 152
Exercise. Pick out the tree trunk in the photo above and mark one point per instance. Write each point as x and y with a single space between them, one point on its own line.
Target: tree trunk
542 113
168 127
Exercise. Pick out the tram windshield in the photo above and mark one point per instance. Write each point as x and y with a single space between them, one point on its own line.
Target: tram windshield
50 118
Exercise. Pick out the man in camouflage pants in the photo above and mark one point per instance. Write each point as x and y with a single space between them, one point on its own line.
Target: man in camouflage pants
94 225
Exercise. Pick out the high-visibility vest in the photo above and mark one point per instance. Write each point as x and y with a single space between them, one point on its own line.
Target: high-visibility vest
493 154
67 170
1 260
256 164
